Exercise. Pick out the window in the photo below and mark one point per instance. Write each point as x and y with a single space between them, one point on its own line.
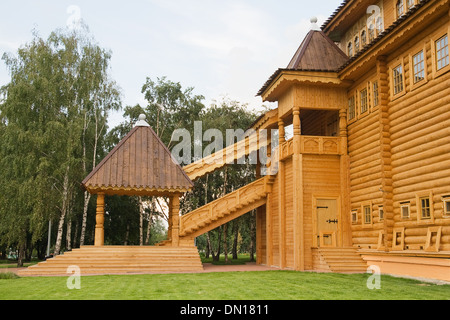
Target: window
371 33
351 108
419 67
446 200
350 49
381 213
410 3
400 8
379 24
363 38
356 44
442 57
367 211
375 94
354 215
404 208
398 79
424 204
363 96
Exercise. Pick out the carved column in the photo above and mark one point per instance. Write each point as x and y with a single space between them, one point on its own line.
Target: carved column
297 162
100 220
174 220
281 195
345 238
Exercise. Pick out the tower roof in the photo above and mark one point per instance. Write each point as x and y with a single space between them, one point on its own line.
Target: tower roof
139 165
317 53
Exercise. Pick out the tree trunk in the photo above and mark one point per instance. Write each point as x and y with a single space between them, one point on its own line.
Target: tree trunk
225 244
87 198
69 235
150 221
63 212
208 246
141 222
252 237
21 256
127 234
235 240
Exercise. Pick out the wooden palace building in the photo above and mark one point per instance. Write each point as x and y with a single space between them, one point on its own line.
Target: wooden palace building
365 179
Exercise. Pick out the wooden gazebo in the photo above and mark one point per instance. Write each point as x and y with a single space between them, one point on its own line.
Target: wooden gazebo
140 165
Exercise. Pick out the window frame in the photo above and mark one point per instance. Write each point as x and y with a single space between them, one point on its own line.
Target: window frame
350 49
380 216
399 5
419 209
417 50
445 201
367 223
444 48
365 100
394 66
408 206
353 106
354 216
375 93
435 71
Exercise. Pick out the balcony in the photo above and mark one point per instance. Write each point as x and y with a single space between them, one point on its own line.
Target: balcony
313 145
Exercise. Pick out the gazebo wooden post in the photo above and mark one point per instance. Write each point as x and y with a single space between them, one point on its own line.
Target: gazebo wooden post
100 220
174 219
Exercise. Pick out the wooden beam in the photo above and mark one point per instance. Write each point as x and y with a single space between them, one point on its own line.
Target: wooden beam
281 197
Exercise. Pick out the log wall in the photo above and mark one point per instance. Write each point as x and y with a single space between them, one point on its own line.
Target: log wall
400 151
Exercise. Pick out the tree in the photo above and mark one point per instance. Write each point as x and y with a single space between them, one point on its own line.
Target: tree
57 85
222 115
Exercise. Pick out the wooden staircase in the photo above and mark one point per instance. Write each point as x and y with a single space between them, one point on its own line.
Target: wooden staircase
339 260
120 260
225 209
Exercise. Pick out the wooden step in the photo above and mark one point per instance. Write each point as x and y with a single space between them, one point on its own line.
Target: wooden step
126 259
343 260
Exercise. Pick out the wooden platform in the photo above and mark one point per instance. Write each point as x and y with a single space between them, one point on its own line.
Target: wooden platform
339 260
120 260
411 263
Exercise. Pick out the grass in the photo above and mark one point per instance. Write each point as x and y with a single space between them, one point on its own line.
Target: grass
267 285
241 260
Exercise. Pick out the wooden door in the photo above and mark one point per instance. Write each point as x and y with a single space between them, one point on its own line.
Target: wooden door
327 222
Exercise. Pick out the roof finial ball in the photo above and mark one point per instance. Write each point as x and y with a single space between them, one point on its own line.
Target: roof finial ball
314 25
141 122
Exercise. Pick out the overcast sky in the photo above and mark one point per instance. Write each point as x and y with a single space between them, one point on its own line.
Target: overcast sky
221 48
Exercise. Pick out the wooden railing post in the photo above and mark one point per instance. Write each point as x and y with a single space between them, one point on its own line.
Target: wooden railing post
100 220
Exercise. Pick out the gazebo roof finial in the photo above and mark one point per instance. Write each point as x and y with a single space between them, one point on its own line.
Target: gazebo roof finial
141 122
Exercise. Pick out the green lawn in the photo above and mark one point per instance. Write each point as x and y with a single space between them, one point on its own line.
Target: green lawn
267 285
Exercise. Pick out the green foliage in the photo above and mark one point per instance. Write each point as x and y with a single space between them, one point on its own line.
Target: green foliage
57 87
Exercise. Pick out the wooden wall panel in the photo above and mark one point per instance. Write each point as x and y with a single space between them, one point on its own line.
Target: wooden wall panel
365 177
289 203
275 223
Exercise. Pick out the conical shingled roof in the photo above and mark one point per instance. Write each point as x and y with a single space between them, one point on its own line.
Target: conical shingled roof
139 164
317 53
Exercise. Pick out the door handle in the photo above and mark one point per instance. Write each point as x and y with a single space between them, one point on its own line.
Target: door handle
332 221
